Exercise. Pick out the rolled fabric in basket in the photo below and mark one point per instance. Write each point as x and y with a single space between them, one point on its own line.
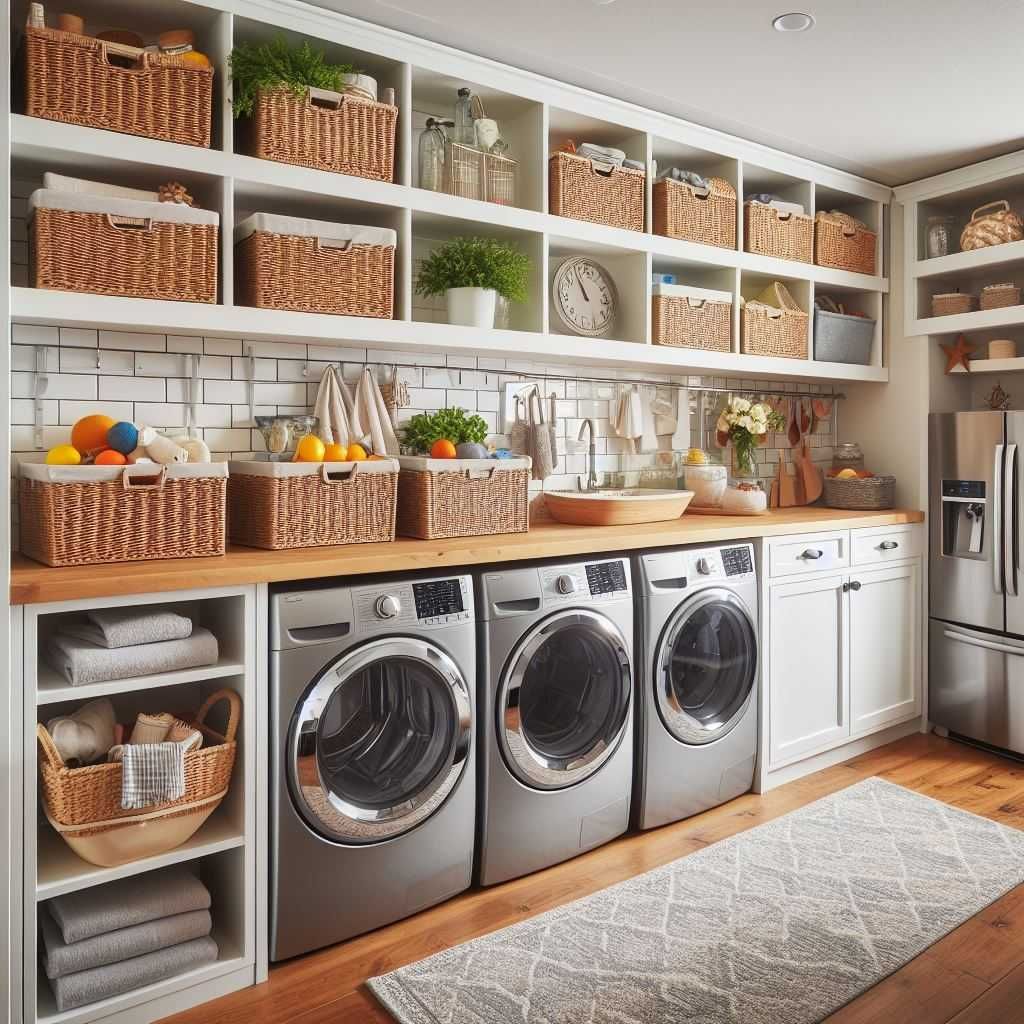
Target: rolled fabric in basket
126 902
114 979
81 662
128 627
61 958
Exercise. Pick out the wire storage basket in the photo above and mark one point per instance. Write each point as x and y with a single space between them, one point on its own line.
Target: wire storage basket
471 173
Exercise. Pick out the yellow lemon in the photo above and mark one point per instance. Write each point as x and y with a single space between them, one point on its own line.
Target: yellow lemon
309 449
63 455
846 474
335 453
356 453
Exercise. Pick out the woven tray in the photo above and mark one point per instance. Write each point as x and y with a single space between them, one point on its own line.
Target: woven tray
601 193
691 318
278 505
681 212
771 232
68 77
842 243
773 332
999 296
951 303
875 492
80 515
327 130
462 497
314 266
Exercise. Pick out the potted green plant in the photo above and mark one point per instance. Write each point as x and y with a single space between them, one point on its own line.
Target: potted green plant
471 273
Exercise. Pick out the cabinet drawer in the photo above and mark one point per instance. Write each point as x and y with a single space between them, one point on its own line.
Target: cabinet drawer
886 544
813 552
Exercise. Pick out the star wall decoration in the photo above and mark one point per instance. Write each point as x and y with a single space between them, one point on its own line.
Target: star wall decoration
958 354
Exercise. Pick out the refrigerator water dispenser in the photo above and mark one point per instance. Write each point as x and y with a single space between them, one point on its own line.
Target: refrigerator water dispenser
963 518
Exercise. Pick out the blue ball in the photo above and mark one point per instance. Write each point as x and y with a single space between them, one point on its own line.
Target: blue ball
123 437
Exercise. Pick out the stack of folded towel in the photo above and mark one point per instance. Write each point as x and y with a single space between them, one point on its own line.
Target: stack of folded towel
119 643
608 155
101 942
776 203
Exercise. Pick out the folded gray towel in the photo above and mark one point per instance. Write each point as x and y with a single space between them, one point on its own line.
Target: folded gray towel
61 958
127 627
602 154
114 979
81 662
128 901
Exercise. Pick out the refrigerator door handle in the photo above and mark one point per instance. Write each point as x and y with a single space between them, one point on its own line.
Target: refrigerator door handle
988 645
997 520
1010 521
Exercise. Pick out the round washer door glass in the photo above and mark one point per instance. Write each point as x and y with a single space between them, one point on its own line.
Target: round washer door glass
564 701
380 740
706 667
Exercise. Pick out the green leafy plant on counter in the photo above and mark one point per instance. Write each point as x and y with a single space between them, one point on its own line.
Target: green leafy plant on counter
256 66
475 263
451 424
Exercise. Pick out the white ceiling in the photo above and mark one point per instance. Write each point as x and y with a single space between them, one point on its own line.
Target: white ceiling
894 90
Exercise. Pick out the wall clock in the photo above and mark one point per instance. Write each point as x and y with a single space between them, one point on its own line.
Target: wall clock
585 298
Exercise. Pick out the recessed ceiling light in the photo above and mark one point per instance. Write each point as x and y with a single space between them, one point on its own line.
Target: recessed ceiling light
794 22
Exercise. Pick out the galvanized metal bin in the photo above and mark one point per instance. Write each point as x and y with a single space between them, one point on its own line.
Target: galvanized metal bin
839 338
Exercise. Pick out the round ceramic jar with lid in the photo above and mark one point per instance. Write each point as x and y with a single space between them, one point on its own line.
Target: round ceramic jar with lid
847 455
708 483
745 496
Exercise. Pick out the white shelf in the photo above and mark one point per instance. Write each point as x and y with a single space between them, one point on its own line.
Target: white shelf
110 313
1015 365
52 687
60 870
964 323
968 262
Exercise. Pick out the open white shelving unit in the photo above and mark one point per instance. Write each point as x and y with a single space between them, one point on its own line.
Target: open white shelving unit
536 115
225 851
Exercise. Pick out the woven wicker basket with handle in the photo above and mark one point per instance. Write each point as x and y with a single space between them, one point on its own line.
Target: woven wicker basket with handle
772 232
602 193
842 242
682 211
992 224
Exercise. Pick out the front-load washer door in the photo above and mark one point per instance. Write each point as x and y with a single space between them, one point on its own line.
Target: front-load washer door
563 703
379 740
705 667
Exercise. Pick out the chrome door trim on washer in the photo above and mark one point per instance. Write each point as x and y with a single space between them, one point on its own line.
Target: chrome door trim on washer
341 820
529 764
679 722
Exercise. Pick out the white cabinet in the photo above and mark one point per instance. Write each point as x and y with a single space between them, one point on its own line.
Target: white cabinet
842 645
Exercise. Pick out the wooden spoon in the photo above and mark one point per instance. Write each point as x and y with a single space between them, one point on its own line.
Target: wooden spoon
793 433
805 416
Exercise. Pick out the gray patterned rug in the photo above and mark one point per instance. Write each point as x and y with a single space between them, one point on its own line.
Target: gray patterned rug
781 924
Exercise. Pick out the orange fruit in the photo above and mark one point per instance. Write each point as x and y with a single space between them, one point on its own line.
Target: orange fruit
110 458
310 449
357 453
89 434
335 453
375 458
200 60
442 449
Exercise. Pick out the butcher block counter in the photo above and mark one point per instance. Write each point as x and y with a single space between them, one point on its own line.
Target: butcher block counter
32 583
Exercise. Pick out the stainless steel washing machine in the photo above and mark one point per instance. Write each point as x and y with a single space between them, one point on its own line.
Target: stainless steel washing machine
373 783
697 693
556 733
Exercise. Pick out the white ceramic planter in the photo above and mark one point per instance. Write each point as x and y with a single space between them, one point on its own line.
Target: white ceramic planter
471 307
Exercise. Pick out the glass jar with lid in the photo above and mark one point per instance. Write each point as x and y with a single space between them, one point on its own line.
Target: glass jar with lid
938 239
847 455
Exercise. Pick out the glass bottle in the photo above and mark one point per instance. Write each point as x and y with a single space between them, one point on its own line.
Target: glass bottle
431 156
847 455
937 241
464 132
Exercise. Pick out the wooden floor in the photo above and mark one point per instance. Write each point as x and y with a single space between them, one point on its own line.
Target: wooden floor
975 975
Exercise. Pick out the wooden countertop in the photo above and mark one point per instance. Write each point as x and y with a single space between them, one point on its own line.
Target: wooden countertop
32 583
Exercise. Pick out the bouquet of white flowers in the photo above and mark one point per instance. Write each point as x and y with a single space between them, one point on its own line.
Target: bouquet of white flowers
745 422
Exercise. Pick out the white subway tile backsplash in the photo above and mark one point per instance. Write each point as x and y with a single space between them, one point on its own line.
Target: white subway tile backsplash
133 342
280 394
275 349
132 389
225 392
488 401
214 367
72 411
79 337
160 414
228 440
222 346
263 369
34 334
427 398
440 378
92 360
23 357
330 354
162 364
462 399
23 410
59 385
184 343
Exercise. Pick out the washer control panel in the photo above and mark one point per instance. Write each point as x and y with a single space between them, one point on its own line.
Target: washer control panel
708 564
738 561
428 603
601 581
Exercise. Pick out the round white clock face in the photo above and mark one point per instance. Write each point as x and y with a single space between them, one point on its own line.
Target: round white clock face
584 297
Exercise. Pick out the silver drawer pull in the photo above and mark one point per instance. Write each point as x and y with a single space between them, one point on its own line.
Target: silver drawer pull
888 545
813 554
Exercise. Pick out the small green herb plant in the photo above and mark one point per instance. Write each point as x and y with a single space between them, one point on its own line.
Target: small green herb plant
475 263
256 66
453 424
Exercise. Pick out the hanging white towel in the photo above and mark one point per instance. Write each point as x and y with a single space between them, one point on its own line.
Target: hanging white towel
648 434
330 409
373 415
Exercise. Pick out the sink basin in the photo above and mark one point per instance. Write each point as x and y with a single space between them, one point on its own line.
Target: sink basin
610 506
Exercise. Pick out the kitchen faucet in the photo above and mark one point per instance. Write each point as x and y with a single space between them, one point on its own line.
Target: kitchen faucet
585 426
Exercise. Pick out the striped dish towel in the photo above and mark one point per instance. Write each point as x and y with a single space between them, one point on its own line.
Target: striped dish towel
152 773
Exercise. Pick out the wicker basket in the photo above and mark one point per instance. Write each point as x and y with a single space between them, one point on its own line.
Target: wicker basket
772 232
462 497
314 266
999 296
69 77
81 515
874 492
692 318
951 303
110 245
330 131
602 193
842 242
992 224
85 803
682 211
304 505
766 331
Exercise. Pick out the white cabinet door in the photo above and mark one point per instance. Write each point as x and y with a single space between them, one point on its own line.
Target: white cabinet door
807 667
885 645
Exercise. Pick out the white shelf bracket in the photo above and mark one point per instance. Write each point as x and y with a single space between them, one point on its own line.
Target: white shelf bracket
39 387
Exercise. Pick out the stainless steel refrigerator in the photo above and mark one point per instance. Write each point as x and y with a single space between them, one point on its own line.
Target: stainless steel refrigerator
976 607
